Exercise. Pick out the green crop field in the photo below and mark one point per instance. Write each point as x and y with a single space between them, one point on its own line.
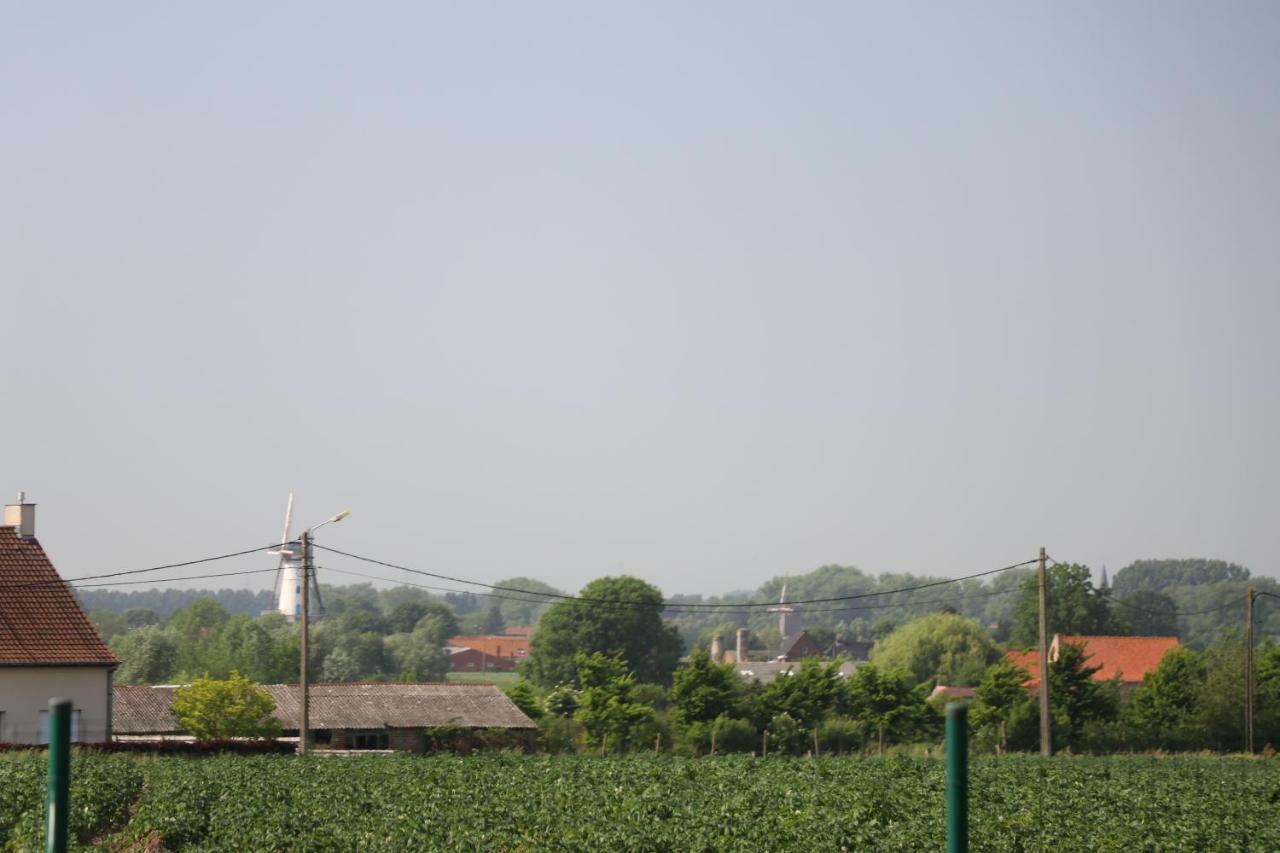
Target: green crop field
508 802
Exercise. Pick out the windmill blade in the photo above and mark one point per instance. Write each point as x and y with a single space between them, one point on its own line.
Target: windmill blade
284 539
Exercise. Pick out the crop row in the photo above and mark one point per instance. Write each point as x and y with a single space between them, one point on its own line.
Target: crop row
507 802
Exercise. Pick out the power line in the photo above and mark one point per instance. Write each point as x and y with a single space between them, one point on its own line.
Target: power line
671 606
171 580
663 604
127 572
1151 612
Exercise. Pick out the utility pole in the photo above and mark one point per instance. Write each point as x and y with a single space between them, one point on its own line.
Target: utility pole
304 733
1046 744
1248 671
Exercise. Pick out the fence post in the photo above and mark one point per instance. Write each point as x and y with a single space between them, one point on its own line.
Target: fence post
59 774
957 777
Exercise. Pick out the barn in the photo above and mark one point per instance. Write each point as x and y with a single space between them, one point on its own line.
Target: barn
345 716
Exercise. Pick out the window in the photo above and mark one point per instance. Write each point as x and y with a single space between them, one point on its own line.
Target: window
44 726
369 740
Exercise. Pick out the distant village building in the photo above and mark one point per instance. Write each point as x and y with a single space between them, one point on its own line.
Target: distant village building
765 671
488 652
855 650
943 693
48 647
354 716
1129 658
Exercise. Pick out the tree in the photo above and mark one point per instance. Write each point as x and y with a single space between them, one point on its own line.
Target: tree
405 615
1076 698
703 690
1161 712
1220 699
147 656
493 622
1000 695
1073 606
1267 694
807 695
1157 575
943 648
138 617
606 708
340 666
633 630
194 630
438 623
884 702
1149 613
108 623
524 697
519 611
213 709
420 653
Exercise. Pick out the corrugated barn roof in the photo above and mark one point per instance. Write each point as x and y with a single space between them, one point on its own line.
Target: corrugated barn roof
139 710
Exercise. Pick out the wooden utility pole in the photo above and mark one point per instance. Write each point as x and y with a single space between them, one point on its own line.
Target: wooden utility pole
1248 672
304 730
1046 744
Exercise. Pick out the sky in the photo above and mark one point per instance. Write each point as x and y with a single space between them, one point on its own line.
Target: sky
703 293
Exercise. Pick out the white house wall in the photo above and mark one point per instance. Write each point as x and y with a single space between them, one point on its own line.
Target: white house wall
25 691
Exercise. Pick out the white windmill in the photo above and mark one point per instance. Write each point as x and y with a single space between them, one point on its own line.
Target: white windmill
289 573
784 612
288 594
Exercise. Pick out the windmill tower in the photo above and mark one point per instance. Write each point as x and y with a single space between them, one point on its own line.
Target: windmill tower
784 612
288 593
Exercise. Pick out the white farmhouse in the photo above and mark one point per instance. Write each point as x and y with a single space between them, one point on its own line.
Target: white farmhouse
48 647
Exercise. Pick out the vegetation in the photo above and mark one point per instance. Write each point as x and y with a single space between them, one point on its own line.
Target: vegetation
635 633
363 633
942 648
644 803
211 709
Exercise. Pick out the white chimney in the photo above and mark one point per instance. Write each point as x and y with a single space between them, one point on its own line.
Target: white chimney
742 645
21 515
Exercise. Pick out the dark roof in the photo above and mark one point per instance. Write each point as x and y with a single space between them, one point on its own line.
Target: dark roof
363 705
41 622
765 671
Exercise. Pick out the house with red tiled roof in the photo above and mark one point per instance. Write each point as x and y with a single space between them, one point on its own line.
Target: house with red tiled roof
48 646
1128 658
487 652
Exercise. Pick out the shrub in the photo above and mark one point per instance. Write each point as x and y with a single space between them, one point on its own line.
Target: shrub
733 735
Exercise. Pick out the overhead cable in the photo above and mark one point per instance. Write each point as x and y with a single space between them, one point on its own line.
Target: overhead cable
664 604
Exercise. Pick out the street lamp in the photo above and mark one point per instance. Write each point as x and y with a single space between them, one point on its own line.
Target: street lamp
308 570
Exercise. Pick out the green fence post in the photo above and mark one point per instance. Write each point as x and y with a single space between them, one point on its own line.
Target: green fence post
59 774
957 777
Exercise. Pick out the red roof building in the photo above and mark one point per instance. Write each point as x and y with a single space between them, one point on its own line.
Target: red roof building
514 646
1129 658
48 646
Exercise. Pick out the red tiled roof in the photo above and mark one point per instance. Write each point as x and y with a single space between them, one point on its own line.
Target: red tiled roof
1129 657
41 622
1028 660
494 645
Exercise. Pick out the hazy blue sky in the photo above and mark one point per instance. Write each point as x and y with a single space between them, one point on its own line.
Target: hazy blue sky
700 292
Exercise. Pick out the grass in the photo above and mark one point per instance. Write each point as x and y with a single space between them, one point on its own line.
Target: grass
502 679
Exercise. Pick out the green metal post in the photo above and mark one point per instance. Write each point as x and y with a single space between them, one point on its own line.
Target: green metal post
957 777
59 773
